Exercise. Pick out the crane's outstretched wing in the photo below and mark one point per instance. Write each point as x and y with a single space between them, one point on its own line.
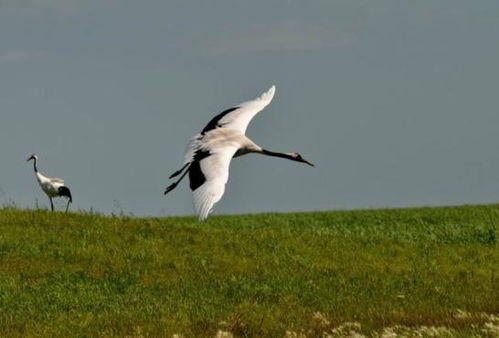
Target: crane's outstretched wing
208 174
239 117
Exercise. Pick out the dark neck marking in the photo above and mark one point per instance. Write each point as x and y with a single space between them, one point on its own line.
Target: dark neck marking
213 124
274 154
34 165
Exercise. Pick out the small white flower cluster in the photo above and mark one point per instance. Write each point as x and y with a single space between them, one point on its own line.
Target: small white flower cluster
354 329
224 334
321 319
294 334
491 328
348 329
420 331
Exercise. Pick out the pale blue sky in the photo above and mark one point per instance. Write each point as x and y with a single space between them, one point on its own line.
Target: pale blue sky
395 101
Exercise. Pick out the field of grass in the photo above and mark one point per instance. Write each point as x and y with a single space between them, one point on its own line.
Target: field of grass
428 271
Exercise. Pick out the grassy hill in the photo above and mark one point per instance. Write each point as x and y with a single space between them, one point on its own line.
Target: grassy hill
405 271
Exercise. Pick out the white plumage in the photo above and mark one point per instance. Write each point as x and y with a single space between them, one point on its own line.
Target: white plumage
208 154
215 169
241 117
51 186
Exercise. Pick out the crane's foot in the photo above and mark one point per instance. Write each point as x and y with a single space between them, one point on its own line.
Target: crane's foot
178 172
170 188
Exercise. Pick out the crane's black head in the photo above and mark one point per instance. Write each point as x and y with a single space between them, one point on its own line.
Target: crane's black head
64 191
297 157
32 157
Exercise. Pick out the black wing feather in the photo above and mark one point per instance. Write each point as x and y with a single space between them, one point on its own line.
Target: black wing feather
213 124
196 176
64 191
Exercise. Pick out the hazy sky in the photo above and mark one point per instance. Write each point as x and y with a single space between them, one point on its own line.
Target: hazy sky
397 102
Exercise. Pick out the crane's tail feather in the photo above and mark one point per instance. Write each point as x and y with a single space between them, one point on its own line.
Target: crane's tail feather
64 191
170 187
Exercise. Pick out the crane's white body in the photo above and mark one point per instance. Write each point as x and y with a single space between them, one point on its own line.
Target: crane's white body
49 185
208 154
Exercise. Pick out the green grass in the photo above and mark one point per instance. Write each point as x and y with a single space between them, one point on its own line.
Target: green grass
252 275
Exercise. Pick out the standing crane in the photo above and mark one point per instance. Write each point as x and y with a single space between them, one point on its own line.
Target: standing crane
208 154
52 187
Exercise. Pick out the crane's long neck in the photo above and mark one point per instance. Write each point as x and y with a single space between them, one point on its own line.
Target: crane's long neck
275 154
34 165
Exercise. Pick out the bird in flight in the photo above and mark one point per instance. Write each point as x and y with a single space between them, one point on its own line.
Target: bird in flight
52 187
209 153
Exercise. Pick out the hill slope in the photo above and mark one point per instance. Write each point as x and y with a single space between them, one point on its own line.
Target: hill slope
259 275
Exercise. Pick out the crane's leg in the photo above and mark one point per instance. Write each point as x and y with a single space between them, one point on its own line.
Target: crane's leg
51 204
174 185
178 172
67 205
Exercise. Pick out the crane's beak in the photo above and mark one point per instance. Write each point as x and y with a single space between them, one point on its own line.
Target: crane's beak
29 159
301 159
307 162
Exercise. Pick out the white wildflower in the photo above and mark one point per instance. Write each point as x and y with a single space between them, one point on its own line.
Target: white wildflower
224 334
348 329
394 331
432 331
294 334
490 317
491 329
320 319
